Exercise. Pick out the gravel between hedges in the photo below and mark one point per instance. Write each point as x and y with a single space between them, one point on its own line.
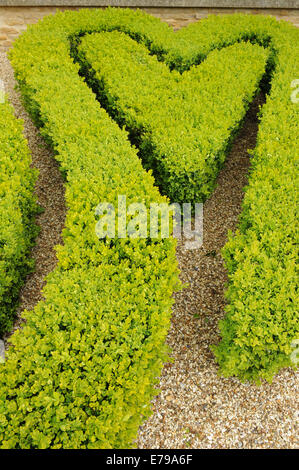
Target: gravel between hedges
196 408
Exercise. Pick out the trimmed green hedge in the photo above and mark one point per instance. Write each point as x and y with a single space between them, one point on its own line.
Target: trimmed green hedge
262 313
157 106
17 208
81 372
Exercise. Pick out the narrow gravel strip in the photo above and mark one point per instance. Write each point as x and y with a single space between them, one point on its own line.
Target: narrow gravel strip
50 193
196 408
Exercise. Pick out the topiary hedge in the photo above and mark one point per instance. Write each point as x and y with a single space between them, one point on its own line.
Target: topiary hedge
17 208
81 372
157 105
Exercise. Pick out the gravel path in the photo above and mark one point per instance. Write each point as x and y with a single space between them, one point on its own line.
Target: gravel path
50 193
196 408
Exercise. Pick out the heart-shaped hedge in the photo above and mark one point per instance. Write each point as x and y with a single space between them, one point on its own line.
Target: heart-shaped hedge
81 372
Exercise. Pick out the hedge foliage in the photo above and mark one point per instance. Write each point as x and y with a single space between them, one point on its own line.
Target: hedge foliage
17 208
81 372
168 114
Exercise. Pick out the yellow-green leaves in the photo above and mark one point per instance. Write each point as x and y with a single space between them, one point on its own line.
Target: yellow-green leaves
183 124
85 364
17 207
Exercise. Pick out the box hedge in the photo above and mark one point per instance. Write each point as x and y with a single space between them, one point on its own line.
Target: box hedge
81 372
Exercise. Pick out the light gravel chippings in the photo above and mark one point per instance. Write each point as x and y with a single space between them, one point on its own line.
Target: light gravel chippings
196 408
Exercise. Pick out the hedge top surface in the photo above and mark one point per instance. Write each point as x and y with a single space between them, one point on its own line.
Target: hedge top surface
183 123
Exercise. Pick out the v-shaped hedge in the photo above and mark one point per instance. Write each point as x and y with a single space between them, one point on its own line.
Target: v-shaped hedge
183 124
81 372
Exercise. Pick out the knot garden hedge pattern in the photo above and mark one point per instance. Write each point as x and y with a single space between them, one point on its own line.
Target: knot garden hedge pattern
82 370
